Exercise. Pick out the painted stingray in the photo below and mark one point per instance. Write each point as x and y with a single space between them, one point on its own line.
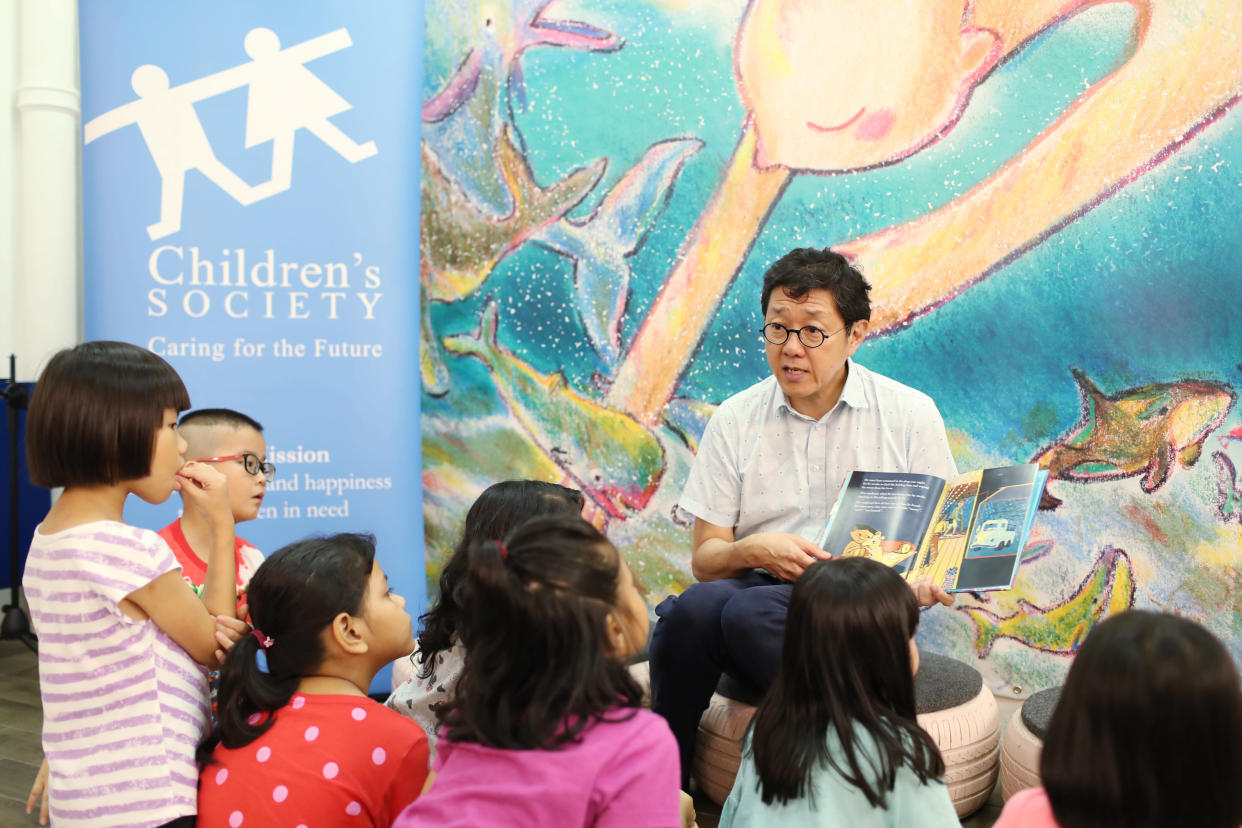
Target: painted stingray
1228 498
504 30
609 455
602 244
1139 431
1061 628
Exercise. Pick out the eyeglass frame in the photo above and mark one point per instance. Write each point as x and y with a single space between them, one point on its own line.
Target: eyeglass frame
798 333
268 469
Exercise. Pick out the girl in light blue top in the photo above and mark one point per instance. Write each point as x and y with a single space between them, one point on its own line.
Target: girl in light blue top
835 741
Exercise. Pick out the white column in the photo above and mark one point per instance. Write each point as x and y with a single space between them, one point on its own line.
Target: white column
47 301
8 178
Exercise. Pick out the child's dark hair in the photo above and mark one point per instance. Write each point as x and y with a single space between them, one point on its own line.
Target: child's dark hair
495 512
1148 729
540 670
220 416
845 669
294 595
94 414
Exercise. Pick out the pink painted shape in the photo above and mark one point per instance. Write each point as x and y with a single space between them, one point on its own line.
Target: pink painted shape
875 126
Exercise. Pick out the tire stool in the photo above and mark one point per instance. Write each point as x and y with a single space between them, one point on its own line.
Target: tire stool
1024 742
718 752
962 718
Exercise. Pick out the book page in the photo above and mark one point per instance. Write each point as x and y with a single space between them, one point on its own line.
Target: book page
882 516
1006 502
940 556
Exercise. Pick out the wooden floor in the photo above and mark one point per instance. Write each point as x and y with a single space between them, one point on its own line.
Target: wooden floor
21 719
20 753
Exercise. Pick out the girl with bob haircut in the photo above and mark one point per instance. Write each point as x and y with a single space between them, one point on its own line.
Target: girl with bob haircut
298 740
122 637
1147 733
835 741
423 681
546 725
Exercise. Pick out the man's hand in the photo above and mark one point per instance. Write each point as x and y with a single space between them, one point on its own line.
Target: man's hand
228 632
929 594
38 793
783 555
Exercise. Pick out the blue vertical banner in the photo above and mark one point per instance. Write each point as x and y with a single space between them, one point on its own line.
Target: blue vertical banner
251 214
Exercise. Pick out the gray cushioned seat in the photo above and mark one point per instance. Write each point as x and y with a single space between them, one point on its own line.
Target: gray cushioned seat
944 682
1037 710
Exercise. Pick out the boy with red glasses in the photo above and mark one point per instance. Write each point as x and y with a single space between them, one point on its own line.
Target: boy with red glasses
234 444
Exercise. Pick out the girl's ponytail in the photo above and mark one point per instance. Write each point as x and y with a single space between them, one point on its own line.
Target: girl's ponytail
294 596
247 687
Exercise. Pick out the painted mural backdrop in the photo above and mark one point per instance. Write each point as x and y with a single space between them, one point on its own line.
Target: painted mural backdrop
1045 196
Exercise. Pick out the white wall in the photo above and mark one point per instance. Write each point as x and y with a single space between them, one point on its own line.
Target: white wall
40 184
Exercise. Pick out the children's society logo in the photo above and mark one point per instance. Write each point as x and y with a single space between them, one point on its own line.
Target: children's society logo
284 96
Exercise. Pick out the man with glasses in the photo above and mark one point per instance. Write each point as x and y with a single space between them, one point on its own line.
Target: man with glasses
768 469
234 444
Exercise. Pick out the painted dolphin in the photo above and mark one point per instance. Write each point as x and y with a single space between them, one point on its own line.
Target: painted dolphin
1061 628
612 458
506 29
1139 431
1228 498
601 245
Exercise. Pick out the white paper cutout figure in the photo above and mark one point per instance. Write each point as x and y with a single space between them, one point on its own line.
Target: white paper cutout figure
284 97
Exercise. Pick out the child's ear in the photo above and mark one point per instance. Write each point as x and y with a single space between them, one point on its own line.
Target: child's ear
981 48
347 633
615 633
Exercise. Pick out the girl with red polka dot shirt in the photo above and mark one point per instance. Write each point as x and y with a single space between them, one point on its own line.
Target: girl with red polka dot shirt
298 742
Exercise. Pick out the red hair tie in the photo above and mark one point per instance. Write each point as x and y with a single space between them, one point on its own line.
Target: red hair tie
504 551
265 641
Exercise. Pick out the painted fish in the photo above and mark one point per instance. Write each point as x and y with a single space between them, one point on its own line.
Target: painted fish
1139 431
1061 628
602 244
506 30
608 454
1228 498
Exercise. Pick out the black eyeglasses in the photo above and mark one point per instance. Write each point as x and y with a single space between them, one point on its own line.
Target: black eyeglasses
810 336
250 462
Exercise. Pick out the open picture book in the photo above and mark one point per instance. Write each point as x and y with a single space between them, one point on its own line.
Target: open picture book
966 534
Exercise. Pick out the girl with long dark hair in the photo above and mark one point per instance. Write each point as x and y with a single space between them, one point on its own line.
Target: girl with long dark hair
298 741
423 680
546 725
835 740
1147 733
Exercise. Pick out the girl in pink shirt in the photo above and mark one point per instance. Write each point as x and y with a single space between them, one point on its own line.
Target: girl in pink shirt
298 740
1147 733
545 726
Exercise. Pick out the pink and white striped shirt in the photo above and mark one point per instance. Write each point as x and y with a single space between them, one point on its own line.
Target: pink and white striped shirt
123 705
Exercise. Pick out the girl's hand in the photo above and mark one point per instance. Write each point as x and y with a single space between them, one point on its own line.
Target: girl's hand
228 632
687 810
38 793
204 488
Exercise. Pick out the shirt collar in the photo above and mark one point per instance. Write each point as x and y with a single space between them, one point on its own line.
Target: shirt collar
853 394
